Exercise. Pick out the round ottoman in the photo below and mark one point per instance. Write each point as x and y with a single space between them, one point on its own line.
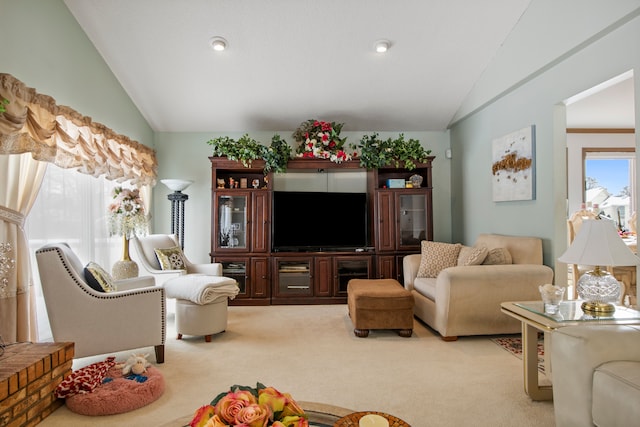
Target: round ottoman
199 320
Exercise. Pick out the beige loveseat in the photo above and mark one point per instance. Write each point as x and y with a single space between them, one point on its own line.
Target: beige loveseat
465 300
596 375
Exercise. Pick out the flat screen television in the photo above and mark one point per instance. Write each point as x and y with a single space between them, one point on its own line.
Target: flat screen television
319 221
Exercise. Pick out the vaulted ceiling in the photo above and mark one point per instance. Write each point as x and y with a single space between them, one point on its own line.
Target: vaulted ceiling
288 61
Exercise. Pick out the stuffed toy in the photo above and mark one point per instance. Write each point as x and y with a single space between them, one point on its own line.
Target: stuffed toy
136 364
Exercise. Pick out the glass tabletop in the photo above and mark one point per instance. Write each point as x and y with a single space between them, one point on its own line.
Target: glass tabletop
570 311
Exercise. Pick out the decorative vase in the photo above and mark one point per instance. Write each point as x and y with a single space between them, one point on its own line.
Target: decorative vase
126 267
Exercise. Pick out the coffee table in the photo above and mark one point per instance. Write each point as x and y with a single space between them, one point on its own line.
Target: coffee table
534 319
320 415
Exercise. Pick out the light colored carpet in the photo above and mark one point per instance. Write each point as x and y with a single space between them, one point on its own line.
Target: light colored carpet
311 352
513 344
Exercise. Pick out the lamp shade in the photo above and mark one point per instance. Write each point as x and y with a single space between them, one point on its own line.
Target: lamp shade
176 184
599 244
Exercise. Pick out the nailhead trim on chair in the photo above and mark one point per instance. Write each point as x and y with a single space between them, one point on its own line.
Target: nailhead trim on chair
106 295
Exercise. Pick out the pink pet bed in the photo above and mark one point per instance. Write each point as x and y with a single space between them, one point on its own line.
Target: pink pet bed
117 394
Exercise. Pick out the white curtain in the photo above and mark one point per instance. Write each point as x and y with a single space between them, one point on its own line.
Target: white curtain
71 207
37 130
20 176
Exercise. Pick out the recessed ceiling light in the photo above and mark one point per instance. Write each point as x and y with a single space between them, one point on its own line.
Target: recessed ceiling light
218 44
382 46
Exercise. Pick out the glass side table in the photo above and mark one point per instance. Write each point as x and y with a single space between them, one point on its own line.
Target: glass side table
534 319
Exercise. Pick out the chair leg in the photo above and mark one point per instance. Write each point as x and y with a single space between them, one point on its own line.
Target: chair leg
159 353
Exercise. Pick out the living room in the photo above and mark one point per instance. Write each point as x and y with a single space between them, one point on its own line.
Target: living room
47 45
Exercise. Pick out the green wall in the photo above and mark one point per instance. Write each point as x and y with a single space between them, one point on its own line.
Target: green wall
43 46
539 102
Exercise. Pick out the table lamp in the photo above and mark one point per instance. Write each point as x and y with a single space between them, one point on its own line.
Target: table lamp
598 244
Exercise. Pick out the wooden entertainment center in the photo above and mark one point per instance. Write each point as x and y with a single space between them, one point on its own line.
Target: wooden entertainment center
399 219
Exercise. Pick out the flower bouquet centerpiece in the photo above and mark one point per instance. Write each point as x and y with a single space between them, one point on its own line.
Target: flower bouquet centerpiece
244 406
126 219
321 140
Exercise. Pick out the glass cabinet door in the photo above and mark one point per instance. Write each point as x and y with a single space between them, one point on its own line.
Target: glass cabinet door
236 269
232 221
412 219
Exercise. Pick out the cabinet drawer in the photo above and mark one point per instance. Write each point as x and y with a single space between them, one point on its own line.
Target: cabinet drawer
294 283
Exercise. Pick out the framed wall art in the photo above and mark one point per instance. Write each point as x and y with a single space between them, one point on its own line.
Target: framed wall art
513 168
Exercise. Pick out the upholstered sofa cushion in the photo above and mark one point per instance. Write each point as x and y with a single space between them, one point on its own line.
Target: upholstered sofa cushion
436 256
171 258
426 286
615 385
523 250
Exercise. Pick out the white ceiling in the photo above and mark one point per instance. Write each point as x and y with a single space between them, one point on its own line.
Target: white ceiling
288 61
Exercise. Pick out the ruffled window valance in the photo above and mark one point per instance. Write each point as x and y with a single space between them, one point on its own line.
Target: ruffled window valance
58 134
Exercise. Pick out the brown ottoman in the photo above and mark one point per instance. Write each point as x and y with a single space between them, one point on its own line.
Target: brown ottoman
380 304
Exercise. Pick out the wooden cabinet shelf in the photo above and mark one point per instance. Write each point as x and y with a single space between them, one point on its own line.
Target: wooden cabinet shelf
400 218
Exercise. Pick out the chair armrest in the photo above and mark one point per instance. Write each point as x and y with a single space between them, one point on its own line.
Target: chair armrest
211 269
577 352
489 285
512 281
135 283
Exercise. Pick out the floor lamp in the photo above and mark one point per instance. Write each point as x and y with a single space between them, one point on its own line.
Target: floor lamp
177 199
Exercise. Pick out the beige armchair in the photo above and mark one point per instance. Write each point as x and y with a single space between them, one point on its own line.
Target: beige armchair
200 291
145 247
465 300
132 317
596 375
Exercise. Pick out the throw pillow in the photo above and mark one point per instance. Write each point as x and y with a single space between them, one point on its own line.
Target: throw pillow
498 256
472 255
436 256
98 278
171 258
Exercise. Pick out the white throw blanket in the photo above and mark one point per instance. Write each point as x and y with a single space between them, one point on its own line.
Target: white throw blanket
201 288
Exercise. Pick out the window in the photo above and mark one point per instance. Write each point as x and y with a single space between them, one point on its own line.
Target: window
71 207
610 183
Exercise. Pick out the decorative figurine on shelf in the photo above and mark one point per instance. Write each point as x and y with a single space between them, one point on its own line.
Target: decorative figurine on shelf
220 182
255 183
416 180
232 183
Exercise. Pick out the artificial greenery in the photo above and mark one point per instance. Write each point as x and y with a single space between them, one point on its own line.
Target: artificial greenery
3 102
247 149
375 153
276 155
